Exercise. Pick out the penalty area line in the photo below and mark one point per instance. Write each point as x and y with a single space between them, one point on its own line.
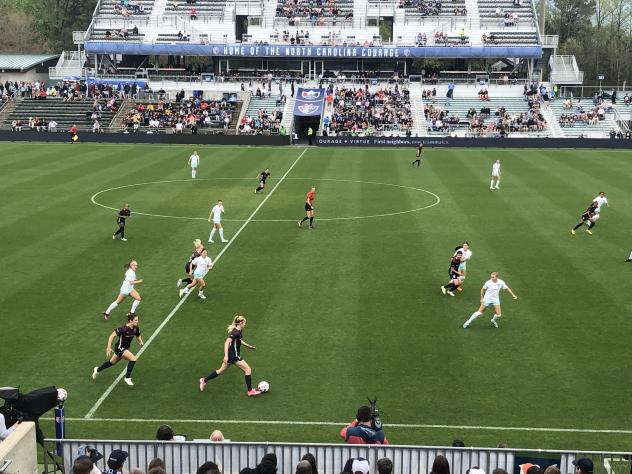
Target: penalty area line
118 379
342 423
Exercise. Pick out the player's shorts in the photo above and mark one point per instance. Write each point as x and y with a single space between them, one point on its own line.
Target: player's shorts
585 216
217 221
495 175
119 352
308 207
194 165
491 302
120 222
198 275
232 358
187 268
453 274
126 289
463 266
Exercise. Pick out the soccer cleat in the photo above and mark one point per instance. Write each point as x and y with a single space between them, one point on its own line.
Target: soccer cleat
573 231
123 239
459 289
450 293
589 231
105 316
202 384
497 187
491 187
494 323
255 191
180 293
465 325
201 296
128 381
224 241
114 237
628 260
95 371
210 241
179 283
254 392
312 227
300 224
443 290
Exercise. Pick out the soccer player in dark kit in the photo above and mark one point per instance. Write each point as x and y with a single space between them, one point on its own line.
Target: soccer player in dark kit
587 216
232 348
419 155
309 208
123 214
265 174
121 351
453 274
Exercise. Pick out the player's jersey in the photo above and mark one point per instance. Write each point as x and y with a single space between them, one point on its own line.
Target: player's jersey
235 343
202 264
126 334
454 264
420 150
309 198
600 200
217 212
263 176
194 160
467 254
592 208
128 283
496 169
193 256
122 215
492 290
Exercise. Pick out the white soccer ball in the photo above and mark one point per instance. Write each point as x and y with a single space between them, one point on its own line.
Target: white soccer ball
263 386
62 395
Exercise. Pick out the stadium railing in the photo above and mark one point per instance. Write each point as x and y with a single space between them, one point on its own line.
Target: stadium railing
231 457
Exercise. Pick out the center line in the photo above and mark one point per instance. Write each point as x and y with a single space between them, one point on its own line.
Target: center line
105 395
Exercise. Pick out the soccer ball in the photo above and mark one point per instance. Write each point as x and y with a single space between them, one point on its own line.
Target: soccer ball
263 386
62 395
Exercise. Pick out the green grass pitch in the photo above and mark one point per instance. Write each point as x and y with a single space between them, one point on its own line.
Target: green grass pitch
350 309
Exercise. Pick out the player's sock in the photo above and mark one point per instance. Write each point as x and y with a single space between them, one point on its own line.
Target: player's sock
106 365
495 318
122 232
578 225
304 219
248 382
211 376
210 237
130 367
118 231
475 315
498 184
221 233
311 221
591 225
491 184
135 305
186 290
111 308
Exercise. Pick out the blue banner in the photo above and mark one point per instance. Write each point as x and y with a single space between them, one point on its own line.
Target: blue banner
311 51
309 102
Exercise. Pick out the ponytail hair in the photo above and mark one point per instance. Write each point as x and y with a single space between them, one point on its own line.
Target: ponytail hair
128 264
197 242
238 320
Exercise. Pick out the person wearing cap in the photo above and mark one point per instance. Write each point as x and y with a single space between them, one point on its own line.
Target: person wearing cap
361 430
360 466
115 461
583 466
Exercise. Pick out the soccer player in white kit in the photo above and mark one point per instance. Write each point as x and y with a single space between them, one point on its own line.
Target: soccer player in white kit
495 175
601 199
467 254
490 295
216 215
194 161
127 289
199 268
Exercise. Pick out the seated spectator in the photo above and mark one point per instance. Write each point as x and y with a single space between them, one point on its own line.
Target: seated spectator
217 436
384 466
116 460
193 14
108 34
135 30
165 433
208 467
440 465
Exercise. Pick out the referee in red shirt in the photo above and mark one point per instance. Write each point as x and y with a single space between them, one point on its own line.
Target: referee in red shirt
309 208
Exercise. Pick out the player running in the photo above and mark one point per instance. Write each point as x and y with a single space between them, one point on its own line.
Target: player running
467 254
201 265
490 295
309 208
495 182
127 289
419 155
587 216
601 199
216 214
232 348
453 273
265 174
194 161
123 214
197 244
121 351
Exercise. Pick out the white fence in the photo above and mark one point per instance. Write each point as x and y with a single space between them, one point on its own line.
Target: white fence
231 457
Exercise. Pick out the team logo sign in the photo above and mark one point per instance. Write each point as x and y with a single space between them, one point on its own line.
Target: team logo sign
308 109
310 94
215 50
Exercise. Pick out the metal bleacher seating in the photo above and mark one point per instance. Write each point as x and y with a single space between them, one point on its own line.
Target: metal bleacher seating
503 38
100 34
213 8
487 9
314 10
430 8
264 103
601 129
109 9
64 113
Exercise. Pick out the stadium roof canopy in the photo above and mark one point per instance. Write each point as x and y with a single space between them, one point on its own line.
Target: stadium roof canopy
23 62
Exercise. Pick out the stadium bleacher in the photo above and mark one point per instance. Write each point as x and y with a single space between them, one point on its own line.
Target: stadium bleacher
264 114
584 118
125 9
210 8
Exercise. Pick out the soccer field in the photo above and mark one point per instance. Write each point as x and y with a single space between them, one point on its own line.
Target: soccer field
348 310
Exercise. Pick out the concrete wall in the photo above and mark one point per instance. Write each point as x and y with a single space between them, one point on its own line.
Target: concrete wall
26 76
20 448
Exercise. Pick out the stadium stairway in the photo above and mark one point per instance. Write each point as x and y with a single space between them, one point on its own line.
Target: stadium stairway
288 114
417 107
64 113
7 110
474 19
552 120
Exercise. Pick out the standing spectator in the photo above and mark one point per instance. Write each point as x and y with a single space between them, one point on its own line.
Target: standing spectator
384 466
440 465
450 92
4 431
115 461
304 467
208 468
217 436
73 134
310 135
309 457
583 466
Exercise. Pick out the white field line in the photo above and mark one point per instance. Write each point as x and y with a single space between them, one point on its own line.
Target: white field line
343 423
105 394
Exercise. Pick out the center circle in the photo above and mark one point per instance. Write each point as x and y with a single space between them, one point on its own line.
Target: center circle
436 201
